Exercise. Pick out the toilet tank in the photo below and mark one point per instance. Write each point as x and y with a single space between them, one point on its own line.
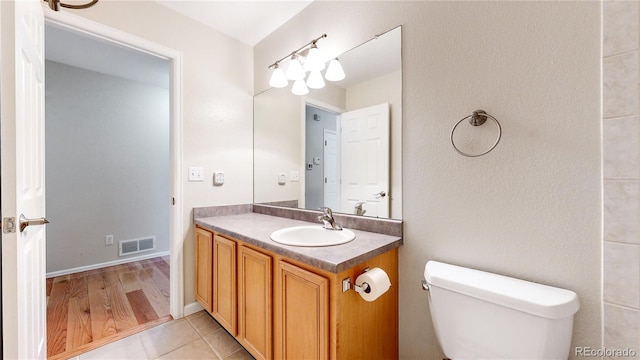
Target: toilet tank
480 315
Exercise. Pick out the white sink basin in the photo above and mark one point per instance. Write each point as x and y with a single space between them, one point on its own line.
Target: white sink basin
312 236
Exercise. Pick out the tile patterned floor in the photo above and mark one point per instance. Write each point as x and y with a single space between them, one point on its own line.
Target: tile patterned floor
197 336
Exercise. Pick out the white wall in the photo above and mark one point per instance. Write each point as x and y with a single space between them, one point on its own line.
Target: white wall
107 170
217 105
532 207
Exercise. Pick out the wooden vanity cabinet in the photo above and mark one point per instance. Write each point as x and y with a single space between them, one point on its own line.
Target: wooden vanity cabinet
255 302
315 319
286 309
224 282
234 284
301 313
204 257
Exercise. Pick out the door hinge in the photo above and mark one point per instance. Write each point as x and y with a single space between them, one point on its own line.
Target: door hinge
9 225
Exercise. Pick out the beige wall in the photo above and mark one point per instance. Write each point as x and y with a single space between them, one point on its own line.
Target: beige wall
217 105
278 145
532 207
621 164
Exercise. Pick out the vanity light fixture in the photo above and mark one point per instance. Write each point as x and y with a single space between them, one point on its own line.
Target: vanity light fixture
295 70
299 87
315 80
306 60
314 61
334 71
278 78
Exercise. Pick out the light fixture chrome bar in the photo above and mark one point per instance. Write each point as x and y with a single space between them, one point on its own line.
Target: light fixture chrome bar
298 50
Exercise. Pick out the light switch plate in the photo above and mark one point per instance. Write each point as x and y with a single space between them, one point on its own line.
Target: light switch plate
196 173
294 175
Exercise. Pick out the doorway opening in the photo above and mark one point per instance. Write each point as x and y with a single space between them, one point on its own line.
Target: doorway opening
113 142
321 158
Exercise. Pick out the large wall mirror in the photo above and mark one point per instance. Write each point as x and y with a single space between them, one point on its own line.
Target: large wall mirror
339 146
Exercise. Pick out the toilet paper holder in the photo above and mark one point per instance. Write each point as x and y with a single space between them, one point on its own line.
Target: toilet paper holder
346 285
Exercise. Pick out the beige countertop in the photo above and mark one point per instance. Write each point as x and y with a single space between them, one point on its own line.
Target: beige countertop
255 229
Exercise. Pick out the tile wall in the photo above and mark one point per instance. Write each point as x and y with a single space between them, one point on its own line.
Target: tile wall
621 172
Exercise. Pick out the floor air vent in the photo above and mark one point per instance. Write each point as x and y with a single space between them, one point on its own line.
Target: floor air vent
134 246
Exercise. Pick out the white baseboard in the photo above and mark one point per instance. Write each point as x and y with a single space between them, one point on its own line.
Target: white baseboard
106 264
192 308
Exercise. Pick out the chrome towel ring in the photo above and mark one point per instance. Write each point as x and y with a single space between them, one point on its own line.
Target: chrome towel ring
478 118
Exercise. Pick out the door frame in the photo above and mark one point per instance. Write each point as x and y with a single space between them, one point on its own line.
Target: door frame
104 32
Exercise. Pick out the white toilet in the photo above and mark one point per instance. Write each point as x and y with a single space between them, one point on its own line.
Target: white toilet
480 315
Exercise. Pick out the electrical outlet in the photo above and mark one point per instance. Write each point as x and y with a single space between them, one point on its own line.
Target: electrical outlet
108 240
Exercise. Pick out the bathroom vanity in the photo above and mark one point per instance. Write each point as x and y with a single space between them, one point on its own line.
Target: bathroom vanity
290 302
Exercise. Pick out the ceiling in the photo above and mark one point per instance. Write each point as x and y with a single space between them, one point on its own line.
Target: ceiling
229 17
247 21
80 50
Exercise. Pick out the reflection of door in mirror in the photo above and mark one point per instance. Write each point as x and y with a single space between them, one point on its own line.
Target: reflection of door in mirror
364 143
356 171
331 177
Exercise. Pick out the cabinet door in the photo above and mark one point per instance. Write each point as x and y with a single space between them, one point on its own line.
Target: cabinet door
224 282
301 314
204 254
254 302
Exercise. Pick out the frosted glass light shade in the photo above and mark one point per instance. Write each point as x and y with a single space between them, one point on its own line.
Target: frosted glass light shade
278 79
334 71
295 71
299 87
315 80
314 60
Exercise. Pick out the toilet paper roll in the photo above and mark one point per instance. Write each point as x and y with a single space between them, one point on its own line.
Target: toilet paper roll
374 283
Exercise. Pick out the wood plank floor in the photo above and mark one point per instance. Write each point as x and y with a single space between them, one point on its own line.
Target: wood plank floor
93 308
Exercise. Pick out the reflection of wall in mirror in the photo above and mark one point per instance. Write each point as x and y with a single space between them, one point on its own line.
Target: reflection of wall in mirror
278 140
277 148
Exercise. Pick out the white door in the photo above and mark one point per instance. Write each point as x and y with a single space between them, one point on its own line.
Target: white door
330 157
22 183
364 165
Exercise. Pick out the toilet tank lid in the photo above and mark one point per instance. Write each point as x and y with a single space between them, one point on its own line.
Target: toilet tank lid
537 299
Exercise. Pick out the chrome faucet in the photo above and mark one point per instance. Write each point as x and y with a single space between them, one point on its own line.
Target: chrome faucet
328 220
358 210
